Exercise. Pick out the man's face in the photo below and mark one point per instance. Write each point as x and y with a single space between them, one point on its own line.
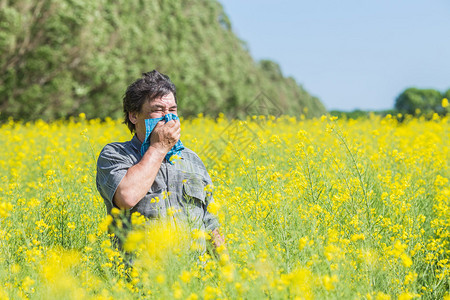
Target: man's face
155 108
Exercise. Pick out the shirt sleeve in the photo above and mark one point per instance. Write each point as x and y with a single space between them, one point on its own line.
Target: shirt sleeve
112 165
211 222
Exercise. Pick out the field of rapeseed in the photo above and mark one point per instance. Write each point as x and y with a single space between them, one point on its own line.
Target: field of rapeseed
311 209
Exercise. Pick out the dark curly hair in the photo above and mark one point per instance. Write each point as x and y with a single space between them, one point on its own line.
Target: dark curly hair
150 86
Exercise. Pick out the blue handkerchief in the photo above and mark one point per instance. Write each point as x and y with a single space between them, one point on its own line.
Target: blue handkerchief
150 125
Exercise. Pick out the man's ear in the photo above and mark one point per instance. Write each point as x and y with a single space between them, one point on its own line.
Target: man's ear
133 116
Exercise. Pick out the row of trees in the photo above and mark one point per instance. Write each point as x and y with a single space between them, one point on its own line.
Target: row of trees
412 101
59 58
416 101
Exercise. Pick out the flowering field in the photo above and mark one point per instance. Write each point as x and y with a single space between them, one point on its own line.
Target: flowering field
311 209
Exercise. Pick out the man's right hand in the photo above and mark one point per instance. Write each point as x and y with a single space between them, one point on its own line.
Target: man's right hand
165 135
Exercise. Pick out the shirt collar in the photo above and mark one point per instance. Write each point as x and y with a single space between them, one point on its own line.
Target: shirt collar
136 142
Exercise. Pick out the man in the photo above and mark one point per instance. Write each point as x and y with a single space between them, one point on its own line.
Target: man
152 183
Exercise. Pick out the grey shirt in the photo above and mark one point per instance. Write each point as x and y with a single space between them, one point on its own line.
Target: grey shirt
184 187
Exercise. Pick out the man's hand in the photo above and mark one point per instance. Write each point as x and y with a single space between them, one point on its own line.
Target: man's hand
220 248
218 239
165 135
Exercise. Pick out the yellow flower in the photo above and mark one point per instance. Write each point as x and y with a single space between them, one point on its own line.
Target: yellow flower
407 296
134 240
213 207
328 282
192 296
5 208
224 259
333 252
198 234
171 211
185 276
382 296
410 277
137 219
210 292
174 158
302 243
228 272
27 283
357 237
115 211
71 225
103 226
407 261
160 278
177 291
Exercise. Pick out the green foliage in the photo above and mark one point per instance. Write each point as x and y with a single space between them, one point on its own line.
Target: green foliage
355 114
447 94
416 101
59 58
362 114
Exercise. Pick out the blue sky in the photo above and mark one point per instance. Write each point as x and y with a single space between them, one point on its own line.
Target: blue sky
352 54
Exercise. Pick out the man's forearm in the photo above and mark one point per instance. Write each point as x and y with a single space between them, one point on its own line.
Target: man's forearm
139 179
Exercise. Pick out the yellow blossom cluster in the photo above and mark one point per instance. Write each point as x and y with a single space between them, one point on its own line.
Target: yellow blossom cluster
310 209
